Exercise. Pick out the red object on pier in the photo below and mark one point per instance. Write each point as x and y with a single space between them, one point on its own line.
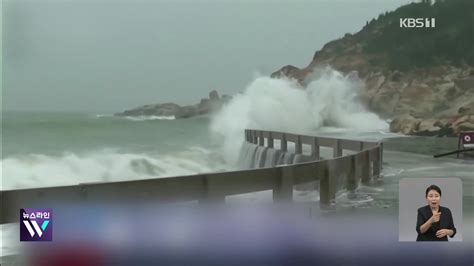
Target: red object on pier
466 140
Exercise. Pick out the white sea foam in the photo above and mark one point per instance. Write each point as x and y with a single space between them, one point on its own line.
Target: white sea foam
330 99
139 118
149 117
37 170
103 115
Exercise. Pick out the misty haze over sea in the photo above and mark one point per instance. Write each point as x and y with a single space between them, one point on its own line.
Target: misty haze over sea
69 65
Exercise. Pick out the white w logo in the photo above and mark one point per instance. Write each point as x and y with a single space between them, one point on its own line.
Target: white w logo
36 227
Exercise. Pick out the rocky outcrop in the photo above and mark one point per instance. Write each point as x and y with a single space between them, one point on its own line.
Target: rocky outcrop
291 71
428 105
405 124
423 93
418 100
440 126
205 106
165 109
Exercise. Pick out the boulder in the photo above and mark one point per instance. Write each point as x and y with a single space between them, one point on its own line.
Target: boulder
290 71
405 124
452 126
467 126
396 76
428 127
467 109
385 101
463 123
465 83
214 96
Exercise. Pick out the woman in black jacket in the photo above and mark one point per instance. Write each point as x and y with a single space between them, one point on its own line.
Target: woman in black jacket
434 223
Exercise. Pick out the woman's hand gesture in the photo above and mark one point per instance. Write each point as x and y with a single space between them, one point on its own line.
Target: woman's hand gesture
435 217
443 232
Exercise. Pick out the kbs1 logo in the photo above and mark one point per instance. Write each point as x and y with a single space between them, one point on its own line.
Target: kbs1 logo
417 22
36 224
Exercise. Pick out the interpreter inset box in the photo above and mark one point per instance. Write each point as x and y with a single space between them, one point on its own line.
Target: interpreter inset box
430 209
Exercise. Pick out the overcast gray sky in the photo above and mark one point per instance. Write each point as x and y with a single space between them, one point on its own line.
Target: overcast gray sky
106 55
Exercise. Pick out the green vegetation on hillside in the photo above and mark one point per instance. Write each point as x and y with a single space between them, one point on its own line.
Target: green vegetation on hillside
452 40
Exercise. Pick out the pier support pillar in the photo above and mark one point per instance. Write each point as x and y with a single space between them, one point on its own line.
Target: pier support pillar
270 140
209 195
377 165
261 139
327 186
315 148
284 143
298 145
337 150
254 137
351 176
283 190
365 167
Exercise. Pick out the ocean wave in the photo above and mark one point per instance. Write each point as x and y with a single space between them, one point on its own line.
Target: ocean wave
39 170
330 99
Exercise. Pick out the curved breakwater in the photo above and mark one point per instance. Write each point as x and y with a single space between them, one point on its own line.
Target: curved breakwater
255 156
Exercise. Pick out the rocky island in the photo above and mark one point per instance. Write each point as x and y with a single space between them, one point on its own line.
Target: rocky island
205 106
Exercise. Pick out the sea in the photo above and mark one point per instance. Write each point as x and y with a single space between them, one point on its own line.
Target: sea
43 149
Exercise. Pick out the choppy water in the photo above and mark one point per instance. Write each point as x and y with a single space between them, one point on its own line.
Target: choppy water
50 149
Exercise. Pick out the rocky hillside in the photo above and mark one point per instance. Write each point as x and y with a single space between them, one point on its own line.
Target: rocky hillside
422 79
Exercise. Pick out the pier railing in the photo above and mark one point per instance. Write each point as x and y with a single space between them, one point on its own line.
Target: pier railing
363 165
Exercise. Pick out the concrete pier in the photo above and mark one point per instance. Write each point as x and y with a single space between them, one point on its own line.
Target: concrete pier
362 165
